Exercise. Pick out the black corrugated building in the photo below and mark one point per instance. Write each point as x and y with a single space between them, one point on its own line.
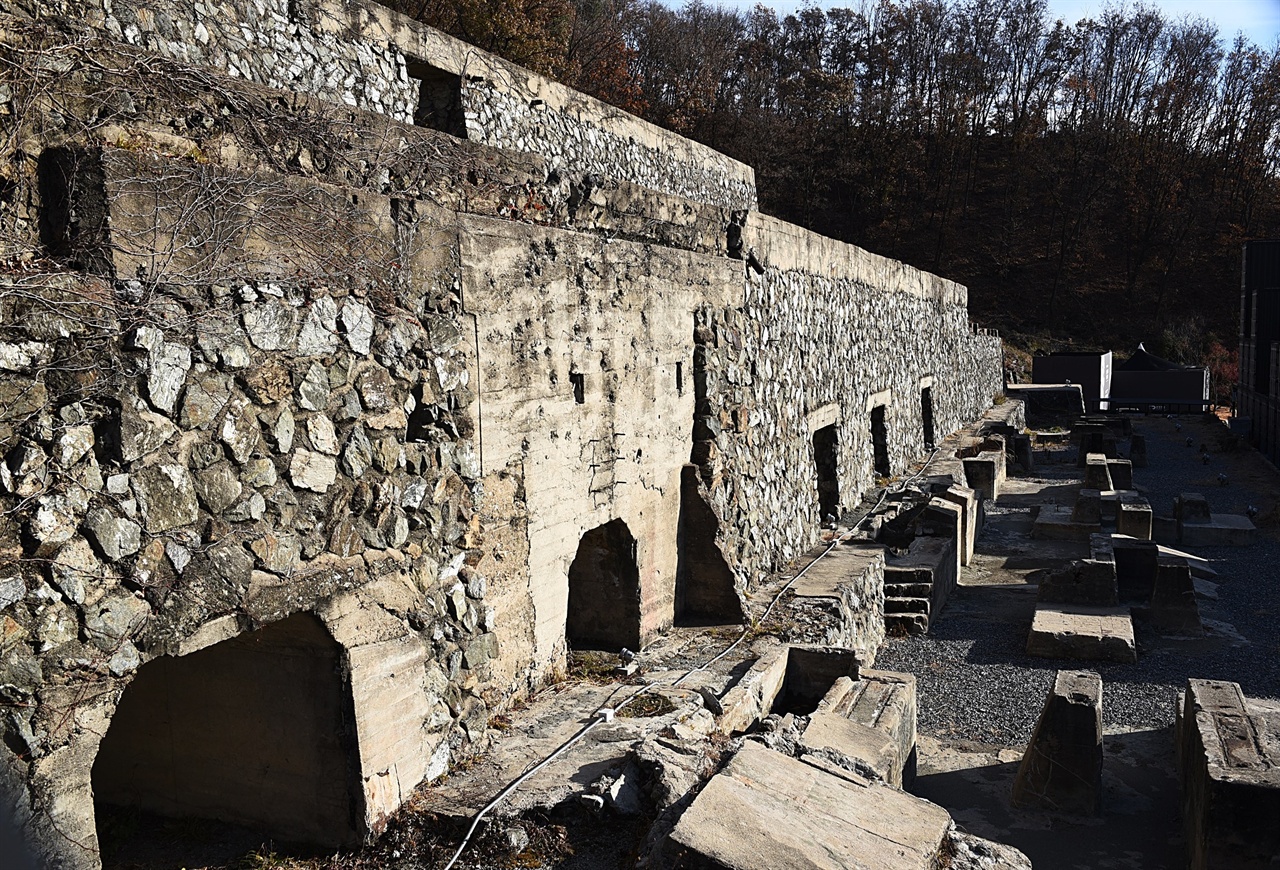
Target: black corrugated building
1258 397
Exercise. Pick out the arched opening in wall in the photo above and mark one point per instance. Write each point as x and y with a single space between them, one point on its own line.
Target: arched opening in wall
604 591
439 98
255 731
704 583
825 442
926 416
880 441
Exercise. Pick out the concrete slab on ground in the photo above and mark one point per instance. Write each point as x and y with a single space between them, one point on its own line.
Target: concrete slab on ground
766 809
1081 632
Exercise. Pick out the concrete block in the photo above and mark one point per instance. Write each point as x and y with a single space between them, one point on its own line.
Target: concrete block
1136 566
943 518
1097 472
1133 518
847 584
985 473
766 809
928 561
1088 507
1228 756
1055 523
1224 530
1023 453
873 719
1138 450
1191 507
1062 767
970 517
1121 473
1082 632
1173 601
1083 581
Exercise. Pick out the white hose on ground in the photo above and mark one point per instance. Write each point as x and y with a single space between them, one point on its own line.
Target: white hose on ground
604 714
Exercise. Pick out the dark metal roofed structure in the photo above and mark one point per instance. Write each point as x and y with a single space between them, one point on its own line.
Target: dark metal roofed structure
1256 401
1145 379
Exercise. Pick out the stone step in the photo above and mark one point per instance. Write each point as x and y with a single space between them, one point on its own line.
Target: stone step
906 605
906 623
908 590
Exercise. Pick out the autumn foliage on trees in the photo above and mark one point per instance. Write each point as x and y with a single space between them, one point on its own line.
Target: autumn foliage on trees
1090 181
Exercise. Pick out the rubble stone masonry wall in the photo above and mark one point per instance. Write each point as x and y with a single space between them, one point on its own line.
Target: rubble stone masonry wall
357 53
825 334
272 356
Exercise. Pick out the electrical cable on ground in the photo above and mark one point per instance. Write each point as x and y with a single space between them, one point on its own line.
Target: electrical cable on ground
606 714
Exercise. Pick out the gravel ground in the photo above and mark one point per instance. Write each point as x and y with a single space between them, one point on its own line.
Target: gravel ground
975 681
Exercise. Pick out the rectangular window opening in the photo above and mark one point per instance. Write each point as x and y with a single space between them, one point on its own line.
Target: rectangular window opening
679 379
826 458
926 416
880 441
439 98
579 382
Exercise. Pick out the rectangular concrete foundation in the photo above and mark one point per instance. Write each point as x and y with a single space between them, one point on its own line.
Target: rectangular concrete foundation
918 584
1229 766
1082 633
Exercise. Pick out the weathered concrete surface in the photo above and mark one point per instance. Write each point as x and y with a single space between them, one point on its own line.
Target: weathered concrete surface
617 453
1133 518
1059 523
873 719
1173 600
848 584
1198 528
1229 765
1076 631
1062 767
969 504
766 809
1081 581
918 582
1097 472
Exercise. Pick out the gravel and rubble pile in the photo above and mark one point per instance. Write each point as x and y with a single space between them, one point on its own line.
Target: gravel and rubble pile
975 681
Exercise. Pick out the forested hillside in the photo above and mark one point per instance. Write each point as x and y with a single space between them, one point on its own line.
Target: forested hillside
1090 181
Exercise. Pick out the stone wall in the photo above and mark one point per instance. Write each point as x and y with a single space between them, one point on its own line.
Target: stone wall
827 332
358 53
233 396
264 354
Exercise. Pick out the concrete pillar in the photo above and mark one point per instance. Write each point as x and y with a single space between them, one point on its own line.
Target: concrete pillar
1097 474
1062 767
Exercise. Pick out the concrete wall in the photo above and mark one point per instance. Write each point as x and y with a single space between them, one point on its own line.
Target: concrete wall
552 306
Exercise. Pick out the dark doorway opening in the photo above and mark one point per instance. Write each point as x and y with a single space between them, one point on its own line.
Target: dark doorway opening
880 441
825 442
926 416
604 591
439 98
704 583
254 731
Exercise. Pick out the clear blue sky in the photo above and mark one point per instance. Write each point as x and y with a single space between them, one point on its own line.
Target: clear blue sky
1258 19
